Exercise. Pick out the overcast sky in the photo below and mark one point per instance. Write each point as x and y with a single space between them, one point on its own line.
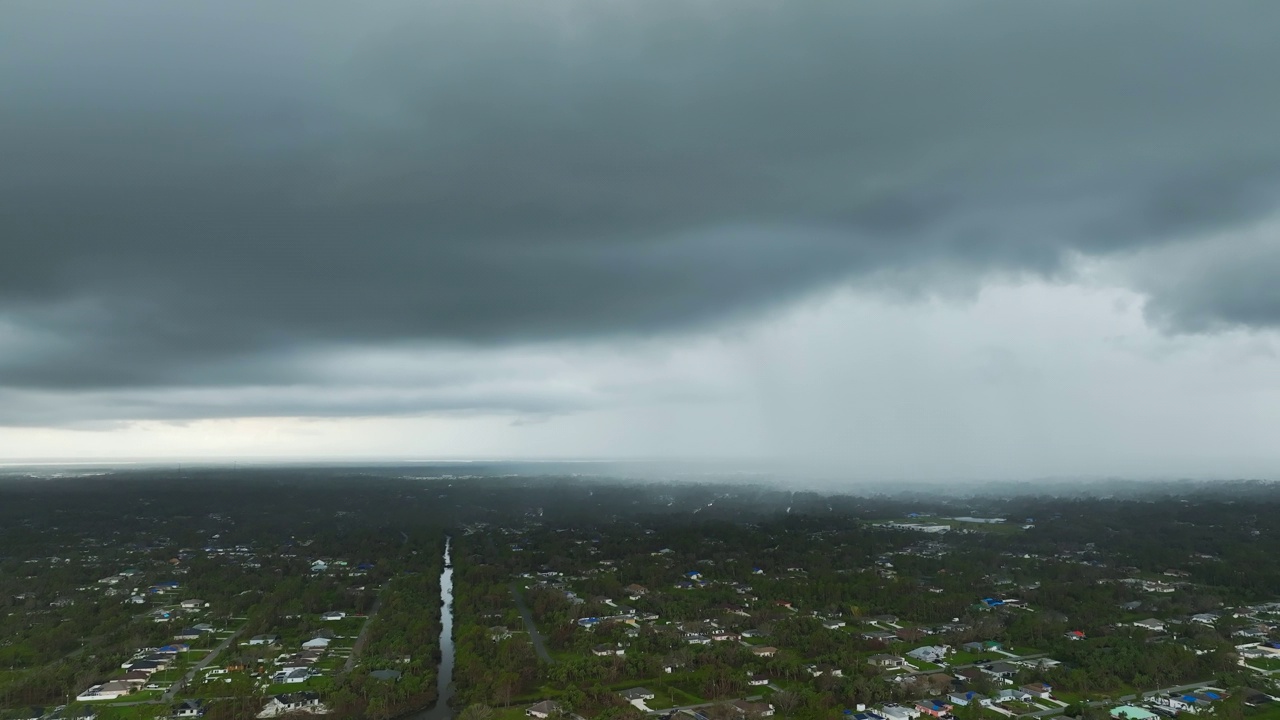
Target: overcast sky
904 238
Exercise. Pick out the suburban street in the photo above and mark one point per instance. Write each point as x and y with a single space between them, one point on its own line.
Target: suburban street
213 655
363 637
538 645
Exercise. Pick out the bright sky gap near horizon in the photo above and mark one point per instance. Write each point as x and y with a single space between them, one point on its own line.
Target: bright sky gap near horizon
975 239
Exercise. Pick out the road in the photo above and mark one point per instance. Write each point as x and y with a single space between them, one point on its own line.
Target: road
538 645
363 637
699 706
213 655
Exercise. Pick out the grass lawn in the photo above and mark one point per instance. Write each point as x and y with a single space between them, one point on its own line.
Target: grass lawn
1265 663
131 712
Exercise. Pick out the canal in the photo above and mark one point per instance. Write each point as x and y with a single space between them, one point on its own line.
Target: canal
444 678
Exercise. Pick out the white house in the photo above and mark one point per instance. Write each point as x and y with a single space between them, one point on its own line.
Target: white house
293 702
930 653
333 615
106 691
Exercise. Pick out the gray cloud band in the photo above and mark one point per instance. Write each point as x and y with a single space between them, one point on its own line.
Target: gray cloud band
199 196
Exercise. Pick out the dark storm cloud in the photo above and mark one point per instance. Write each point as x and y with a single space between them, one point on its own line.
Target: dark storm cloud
192 194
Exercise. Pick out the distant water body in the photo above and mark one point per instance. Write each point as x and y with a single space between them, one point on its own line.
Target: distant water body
444 678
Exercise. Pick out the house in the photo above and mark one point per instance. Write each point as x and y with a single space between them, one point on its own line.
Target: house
193 604
638 693
542 710
187 634
1181 703
966 698
333 615
757 680
1038 689
752 709
833 624
291 677
634 591
1255 698
147 666
1075 635
106 691
1000 670
694 575
1129 712
1151 624
498 632
899 712
887 661
188 709
264 639
305 701
385 675
318 643
607 650
764 651
981 647
935 708
880 636
1007 695
1205 618
723 636
930 653
698 640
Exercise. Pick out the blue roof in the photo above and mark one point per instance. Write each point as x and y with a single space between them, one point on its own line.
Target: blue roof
1211 695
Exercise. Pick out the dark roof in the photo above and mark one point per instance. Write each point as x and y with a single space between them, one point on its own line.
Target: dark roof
636 693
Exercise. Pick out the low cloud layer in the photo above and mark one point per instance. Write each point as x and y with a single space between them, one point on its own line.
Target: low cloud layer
202 200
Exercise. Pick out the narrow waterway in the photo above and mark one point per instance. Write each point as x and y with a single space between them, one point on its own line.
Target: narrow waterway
444 678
